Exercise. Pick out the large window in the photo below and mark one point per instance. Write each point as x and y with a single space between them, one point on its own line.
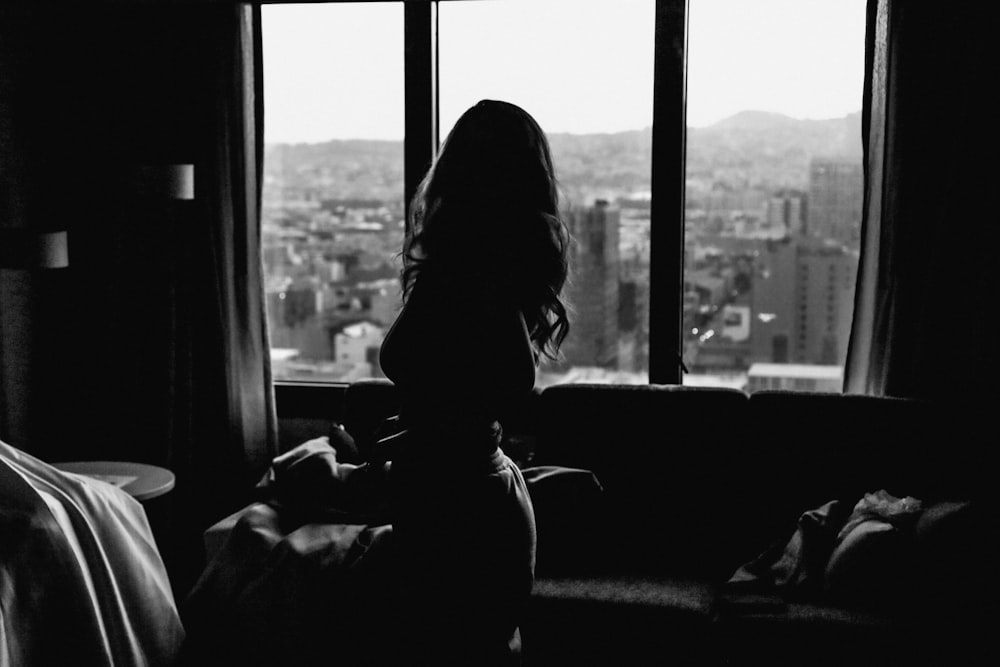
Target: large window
772 174
773 191
333 185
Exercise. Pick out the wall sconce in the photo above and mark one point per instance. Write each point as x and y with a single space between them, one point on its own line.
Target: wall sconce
164 181
27 249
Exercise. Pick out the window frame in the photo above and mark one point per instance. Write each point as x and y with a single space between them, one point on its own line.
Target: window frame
667 177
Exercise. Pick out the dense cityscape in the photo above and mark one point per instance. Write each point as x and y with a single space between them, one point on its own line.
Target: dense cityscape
773 210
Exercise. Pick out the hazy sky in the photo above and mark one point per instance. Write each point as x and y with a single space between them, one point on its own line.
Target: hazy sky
336 70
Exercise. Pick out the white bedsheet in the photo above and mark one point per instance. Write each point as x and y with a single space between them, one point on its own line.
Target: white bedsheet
81 579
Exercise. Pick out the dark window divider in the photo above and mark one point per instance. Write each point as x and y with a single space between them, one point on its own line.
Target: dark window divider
420 72
666 264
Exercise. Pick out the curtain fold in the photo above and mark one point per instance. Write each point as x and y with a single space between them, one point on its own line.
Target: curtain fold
865 359
231 187
924 321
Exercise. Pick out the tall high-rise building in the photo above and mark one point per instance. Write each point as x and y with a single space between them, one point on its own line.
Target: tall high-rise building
803 301
772 325
593 286
836 195
786 211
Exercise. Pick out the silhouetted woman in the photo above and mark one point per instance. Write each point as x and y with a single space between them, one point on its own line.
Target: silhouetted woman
484 262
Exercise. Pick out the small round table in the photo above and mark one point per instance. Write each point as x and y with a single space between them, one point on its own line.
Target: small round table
140 480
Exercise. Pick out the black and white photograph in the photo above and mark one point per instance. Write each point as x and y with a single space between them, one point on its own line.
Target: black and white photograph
521 333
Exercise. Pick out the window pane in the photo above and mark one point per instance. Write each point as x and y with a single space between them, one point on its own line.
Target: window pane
774 190
333 185
584 70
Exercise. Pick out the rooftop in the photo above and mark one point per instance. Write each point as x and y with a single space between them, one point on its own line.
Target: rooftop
796 371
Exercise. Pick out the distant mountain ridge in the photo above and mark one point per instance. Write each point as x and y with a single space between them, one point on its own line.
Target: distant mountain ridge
747 130
756 148
770 149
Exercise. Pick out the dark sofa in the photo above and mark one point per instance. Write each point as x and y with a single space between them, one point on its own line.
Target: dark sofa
687 484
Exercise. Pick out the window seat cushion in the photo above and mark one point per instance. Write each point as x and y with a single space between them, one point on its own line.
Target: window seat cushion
618 621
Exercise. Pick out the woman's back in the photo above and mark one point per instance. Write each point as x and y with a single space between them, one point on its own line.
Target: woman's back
484 264
459 353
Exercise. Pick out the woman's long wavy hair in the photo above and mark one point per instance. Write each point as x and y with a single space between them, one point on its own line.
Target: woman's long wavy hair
488 209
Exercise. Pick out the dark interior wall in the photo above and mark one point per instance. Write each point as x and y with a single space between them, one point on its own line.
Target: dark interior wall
95 94
31 302
136 257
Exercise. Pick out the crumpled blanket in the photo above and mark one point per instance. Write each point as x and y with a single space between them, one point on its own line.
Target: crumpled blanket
311 484
313 573
827 554
302 577
81 579
299 595
794 565
882 506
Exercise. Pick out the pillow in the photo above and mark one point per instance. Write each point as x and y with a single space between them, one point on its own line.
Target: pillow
943 524
868 566
569 519
951 559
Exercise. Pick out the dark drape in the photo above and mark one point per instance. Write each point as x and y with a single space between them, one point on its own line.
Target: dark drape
926 319
234 338
29 294
224 423
152 345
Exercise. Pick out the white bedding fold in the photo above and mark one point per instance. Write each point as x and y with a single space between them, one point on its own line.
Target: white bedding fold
81 579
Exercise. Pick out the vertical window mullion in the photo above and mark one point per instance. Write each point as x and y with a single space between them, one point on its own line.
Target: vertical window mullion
666 265
420 72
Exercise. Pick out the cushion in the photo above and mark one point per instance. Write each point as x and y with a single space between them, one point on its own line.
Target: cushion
683 596
950 563
869 565
618 621
943 525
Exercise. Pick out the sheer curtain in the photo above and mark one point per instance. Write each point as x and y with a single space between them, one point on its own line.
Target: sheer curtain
926 318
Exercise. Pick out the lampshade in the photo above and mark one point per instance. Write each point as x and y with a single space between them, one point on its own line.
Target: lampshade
25 249
164 181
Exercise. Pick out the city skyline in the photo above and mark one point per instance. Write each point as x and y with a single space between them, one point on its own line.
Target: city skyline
768 278
690 127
